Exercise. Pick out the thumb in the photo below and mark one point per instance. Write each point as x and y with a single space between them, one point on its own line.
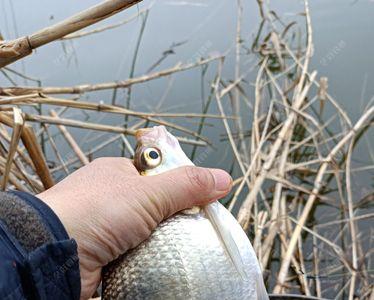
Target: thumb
186 187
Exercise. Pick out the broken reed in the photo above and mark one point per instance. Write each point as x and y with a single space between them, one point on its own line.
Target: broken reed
289 162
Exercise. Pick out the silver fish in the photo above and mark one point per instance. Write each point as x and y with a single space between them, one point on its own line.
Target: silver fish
195 254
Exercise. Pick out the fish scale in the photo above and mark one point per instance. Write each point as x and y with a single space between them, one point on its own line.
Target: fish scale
183 259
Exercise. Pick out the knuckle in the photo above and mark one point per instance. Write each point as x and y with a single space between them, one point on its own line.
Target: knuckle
201 180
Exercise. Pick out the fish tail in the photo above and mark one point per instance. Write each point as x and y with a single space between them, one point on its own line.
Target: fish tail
212 213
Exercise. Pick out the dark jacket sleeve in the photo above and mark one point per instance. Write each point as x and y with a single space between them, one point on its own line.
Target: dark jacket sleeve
37 258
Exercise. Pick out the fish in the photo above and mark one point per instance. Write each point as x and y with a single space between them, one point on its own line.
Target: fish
201 253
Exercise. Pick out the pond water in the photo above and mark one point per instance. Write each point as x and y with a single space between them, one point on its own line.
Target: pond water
343 39
343 52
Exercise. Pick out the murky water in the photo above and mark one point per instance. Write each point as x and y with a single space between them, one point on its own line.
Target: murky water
343 38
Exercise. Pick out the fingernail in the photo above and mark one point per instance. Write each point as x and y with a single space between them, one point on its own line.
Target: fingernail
222 179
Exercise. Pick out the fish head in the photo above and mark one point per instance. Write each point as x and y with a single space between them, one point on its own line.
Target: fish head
158 151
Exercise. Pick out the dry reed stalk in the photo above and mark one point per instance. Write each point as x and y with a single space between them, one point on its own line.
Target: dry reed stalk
300 258
299 97
99 147
100 107
283 136
87 153
236 99
260 224
127 145
268 243
71 141
55 150
336 248
255 138
244 213
19 170
33 148
19 74
6 108
295 264
316 262
278 189
18 174
116 110
11 99
80 34
317 137
254 157
18 184
18 123
83 88
352 225
98 127
256 145
11 51
226 124
19 149
355 219
132 72
317 186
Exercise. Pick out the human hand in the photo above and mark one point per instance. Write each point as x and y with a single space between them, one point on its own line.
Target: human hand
108 208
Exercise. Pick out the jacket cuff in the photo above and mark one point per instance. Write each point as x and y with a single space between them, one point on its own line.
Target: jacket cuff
48 217
54 270
47 260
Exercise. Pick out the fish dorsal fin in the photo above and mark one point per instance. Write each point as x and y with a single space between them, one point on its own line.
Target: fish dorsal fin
212 213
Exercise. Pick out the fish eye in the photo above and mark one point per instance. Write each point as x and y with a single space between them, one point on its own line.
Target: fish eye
151 157
153 154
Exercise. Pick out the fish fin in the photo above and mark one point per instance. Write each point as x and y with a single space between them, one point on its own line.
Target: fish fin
261 293
191 211
212 213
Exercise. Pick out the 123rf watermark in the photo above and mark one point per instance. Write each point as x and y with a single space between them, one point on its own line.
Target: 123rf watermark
333 53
